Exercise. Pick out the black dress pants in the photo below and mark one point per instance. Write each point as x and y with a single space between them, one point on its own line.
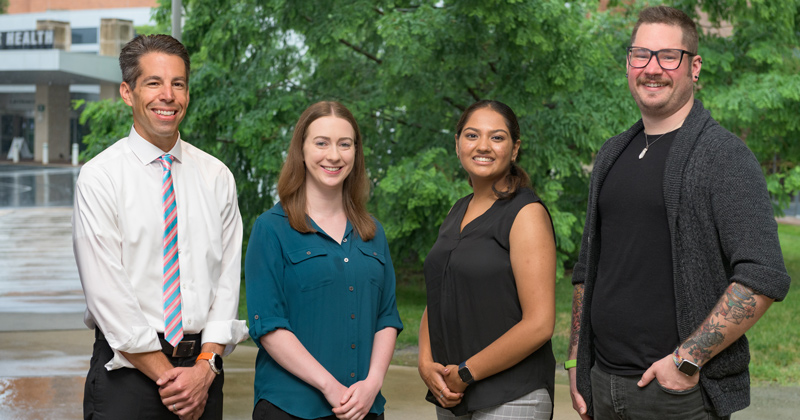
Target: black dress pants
264 410
128 394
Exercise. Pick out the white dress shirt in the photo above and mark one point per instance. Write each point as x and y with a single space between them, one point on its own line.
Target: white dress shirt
118 230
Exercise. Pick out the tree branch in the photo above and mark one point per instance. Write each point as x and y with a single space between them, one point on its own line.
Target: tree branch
474 95
361 51
453 103
398 120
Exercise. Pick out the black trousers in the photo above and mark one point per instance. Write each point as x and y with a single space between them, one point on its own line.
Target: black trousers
128 394
264 410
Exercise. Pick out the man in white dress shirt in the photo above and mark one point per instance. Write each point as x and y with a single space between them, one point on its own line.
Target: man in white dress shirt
120 243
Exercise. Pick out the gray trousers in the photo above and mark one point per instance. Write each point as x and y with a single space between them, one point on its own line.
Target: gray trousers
620 398
533 406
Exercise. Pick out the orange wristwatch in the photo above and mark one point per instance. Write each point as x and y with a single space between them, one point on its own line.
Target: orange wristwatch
214 360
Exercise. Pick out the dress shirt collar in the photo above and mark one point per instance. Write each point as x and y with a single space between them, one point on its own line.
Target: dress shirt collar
147 152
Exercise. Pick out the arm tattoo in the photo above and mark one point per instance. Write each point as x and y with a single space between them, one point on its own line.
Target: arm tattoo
736 305
740 304
577 312
700 343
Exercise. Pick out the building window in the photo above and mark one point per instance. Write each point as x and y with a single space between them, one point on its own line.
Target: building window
84 35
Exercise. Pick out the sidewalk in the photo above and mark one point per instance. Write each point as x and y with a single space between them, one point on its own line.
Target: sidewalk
42 374
45 348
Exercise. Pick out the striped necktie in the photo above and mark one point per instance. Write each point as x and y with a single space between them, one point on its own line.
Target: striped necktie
173 323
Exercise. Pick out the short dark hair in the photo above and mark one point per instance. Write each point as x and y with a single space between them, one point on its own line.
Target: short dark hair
144 44
516 177
670 16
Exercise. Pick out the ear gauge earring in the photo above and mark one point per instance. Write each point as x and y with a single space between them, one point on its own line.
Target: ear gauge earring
697 77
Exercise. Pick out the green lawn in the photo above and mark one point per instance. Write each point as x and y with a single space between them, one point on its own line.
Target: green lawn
774 341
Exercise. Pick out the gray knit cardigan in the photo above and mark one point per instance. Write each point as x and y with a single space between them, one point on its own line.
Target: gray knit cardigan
722 230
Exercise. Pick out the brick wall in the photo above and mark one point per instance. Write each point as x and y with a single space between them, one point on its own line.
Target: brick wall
33 6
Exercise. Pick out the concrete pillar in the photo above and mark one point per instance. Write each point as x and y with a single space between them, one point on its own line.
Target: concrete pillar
52 122
114 34
62 33
52 110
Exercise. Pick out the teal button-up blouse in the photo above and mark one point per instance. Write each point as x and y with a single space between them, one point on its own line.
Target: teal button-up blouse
333 297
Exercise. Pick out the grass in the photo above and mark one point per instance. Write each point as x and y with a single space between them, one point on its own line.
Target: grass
774 340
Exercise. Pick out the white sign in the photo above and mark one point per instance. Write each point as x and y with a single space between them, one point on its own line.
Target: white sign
19 149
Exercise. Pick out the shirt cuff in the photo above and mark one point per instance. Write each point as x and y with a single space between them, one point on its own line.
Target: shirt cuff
260 326
143 340
392 321
227 333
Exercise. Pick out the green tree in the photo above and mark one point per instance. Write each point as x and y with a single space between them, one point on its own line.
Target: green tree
751 82
407 69
108 120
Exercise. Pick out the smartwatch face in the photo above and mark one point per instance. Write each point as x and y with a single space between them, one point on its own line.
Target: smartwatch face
688 368
465 374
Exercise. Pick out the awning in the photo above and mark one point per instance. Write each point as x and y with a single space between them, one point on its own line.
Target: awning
57 67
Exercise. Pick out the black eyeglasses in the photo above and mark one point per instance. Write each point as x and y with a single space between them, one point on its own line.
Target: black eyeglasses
668 59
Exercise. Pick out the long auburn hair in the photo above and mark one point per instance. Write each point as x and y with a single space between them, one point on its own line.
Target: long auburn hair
292 181
516 177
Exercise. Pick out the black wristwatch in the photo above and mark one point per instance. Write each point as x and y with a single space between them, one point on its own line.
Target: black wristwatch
465 374
686 367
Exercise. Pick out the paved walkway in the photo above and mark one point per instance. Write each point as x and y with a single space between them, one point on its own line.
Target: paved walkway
45 348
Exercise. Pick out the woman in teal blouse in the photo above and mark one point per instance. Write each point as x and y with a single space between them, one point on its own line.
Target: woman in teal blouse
320 281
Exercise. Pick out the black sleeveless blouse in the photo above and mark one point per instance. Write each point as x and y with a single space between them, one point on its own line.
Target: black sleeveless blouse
472 301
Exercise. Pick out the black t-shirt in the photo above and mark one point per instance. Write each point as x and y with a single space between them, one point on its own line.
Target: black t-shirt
633 304
472 301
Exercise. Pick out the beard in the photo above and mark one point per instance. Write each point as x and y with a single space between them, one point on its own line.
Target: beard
664 103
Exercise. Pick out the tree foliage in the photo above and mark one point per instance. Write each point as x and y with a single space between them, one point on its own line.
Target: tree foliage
407 69
751 82
108 120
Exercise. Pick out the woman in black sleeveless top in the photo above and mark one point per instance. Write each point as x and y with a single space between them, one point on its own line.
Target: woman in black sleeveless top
484 340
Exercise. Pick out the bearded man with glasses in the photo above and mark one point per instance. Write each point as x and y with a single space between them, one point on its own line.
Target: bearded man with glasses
680 253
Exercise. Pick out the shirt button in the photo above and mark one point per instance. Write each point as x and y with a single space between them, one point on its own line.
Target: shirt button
351 288
344 240
352 346
352 374
256 317
374 253
308 252
346 259
352 316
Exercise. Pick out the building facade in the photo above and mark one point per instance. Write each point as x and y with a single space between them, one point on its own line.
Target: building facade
53 52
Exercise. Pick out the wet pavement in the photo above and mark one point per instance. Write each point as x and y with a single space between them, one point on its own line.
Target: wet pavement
39 278
45 348
31 185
